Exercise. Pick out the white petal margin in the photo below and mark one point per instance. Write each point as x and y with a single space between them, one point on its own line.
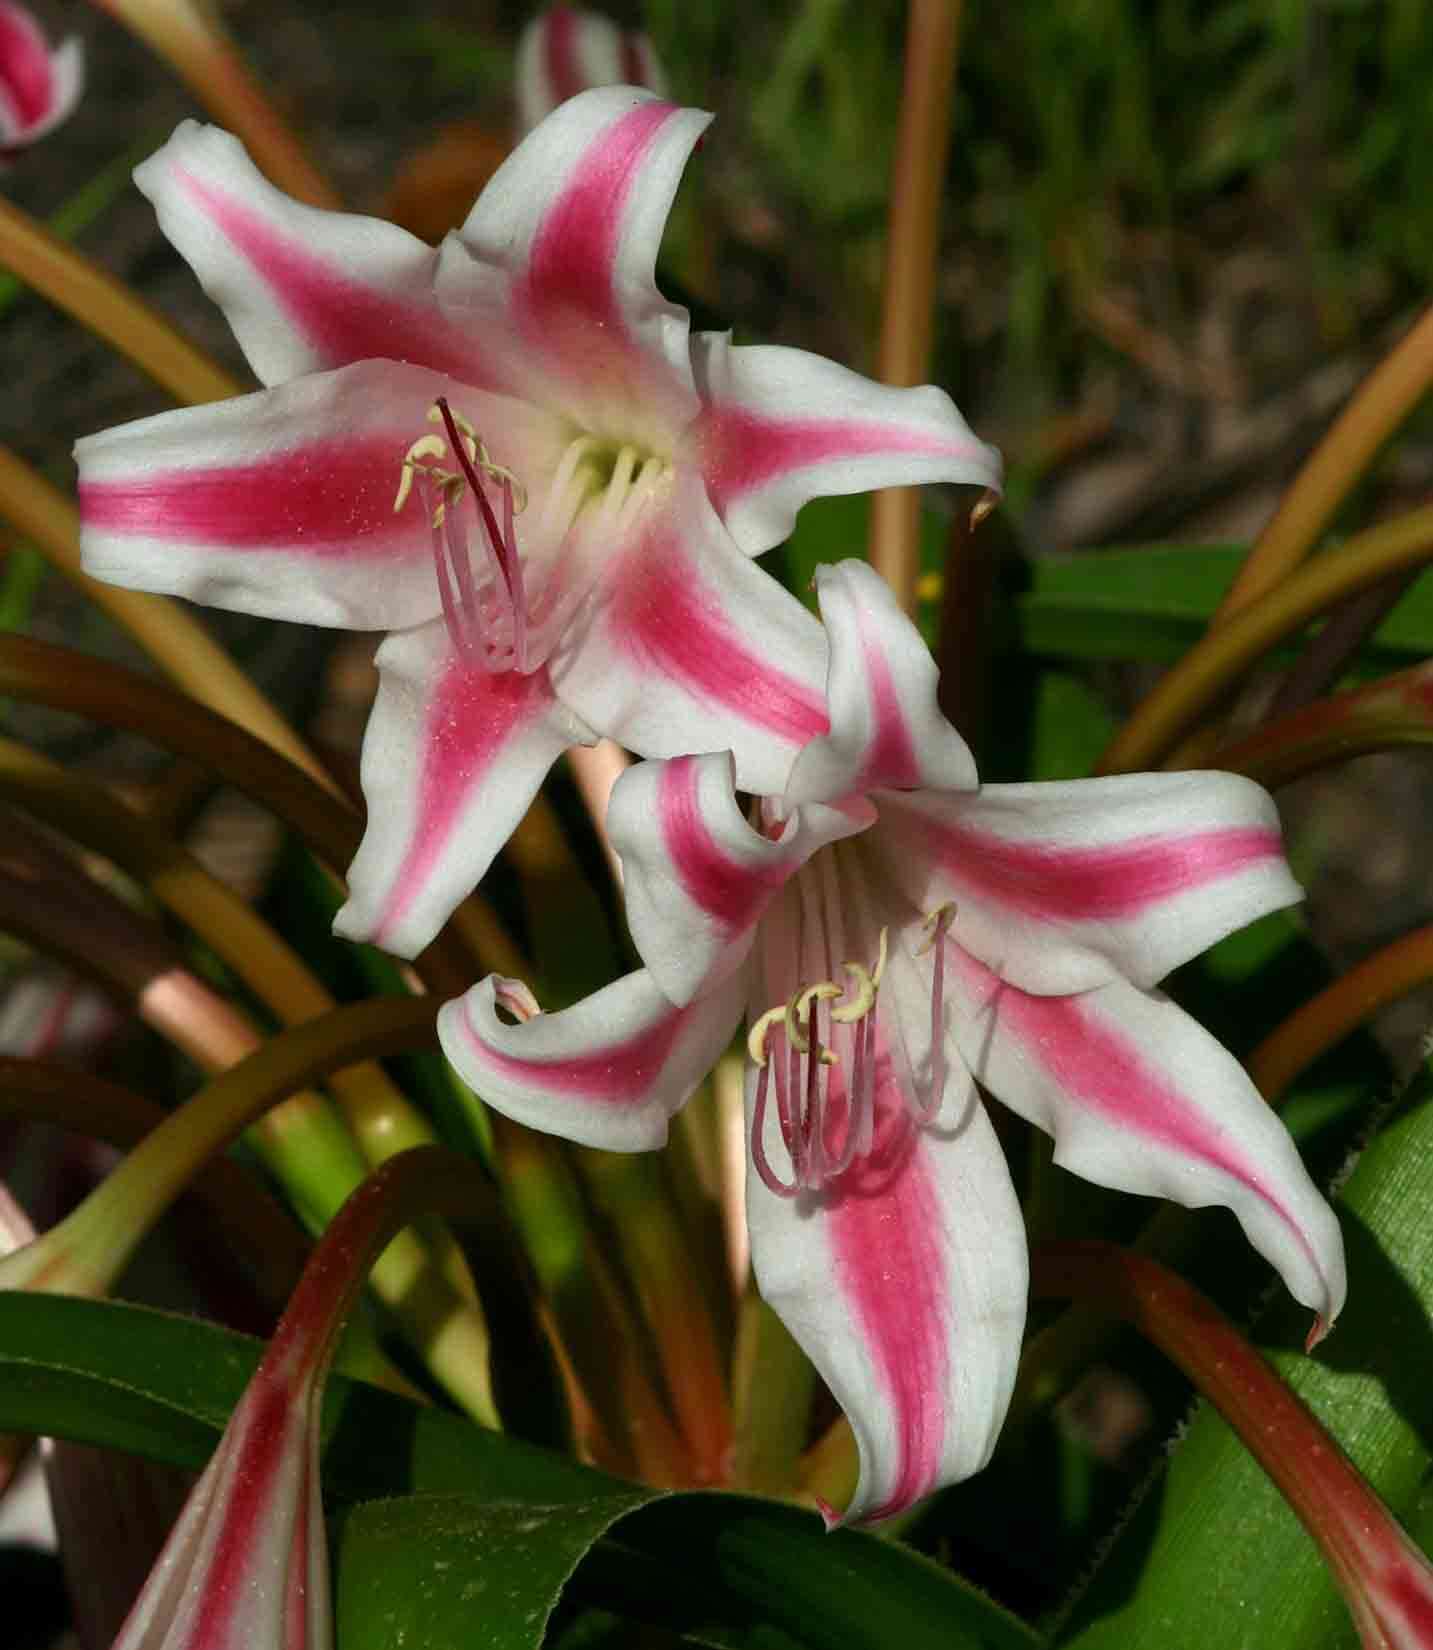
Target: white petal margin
691 647
697 878
303 289
886 729
560 53
1139 1097
279 503
906 1287
574 218
1060 887
452 756
782 427
608 1072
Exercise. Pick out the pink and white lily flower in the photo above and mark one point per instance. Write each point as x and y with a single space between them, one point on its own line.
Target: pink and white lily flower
39 84
511 452
895 933
566 50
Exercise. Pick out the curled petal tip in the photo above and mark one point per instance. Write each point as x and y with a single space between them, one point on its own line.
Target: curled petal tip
1317 1330
983 506
832 1519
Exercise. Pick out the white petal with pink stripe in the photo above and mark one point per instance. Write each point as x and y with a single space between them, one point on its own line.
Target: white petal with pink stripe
1139 1097
697 877
1060 887
905 1280
573 220
452 757
886 728
279 503
781 427
560 53
608 1072
693 648
306 290
39 86
566 50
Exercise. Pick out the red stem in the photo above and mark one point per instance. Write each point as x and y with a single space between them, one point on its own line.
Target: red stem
1352 1527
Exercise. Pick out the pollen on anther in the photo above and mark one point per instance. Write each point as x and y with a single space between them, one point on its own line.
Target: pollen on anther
425 447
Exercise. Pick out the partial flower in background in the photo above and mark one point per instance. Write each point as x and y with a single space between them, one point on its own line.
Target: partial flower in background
39 84
47 1014
894 932
513 453
567 50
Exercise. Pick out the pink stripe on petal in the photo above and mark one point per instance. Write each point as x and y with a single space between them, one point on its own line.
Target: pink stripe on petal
1100 884
743 451
564 72
573 256
343 320
25 66
888 1241
891 757
666 619
723 887
1095 1066
615 1074
332 499
471 718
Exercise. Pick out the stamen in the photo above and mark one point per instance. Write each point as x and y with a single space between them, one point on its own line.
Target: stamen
803 1072
760 1162
426 446
484 608
801 1006
937 922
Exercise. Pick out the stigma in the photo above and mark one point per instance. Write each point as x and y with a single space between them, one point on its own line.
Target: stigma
475 553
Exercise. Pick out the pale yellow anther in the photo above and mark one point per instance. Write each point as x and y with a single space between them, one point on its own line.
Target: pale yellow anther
932 924
882 951
861 1001
827 991
477 454
424 448
756 1037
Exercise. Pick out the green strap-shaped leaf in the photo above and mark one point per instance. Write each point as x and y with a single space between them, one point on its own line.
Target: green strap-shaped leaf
457 1570
500 1513
1153 602
1213 1555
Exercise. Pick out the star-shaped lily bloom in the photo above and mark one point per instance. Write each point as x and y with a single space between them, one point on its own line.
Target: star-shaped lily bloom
39 84
894 932
511 452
